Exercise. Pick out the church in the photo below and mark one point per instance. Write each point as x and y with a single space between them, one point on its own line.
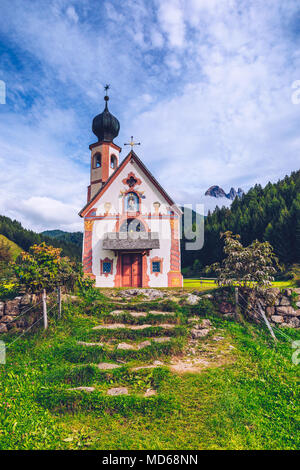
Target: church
131 225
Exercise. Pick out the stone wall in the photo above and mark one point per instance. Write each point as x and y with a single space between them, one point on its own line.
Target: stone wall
282 308
10 311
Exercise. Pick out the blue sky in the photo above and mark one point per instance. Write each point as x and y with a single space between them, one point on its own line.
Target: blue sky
205 85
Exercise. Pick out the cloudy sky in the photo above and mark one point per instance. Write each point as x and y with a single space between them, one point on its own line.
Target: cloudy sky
205 85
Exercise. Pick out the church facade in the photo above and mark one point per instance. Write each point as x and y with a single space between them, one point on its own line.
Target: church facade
131 225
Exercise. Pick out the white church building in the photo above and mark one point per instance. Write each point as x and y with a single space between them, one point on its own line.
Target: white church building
131 225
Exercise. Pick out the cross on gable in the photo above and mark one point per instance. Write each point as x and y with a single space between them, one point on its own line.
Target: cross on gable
132 143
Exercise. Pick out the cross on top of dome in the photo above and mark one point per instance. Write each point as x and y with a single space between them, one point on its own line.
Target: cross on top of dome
106 126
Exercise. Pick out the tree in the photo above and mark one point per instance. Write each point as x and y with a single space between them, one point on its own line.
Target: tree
44 268
250 266
268 214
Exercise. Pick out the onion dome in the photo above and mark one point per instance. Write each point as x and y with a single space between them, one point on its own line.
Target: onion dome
105 126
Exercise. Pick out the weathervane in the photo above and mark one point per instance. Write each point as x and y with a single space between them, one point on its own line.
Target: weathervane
107 87
132 143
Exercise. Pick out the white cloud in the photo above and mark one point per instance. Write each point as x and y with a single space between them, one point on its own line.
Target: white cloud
71 13
170 15
173 62
204 84
47 212
157 38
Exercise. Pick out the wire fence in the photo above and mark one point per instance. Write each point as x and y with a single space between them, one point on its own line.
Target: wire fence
47 313
274 327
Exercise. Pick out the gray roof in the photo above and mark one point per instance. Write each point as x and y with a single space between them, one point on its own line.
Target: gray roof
130 241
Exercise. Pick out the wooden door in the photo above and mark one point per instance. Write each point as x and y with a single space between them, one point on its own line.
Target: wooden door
126 270
136 271
132 270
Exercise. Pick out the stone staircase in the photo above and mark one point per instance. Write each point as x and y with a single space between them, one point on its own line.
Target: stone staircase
124 357
118 358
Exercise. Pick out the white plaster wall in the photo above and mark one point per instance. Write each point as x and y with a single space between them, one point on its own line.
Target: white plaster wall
150 192
162 226
99 228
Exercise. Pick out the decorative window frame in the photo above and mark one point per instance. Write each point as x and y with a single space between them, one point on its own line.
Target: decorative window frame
106 260
131 219
131 215
156 259
129 180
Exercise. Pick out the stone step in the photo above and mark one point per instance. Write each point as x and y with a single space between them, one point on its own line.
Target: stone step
108 366
83 343
131 313
161 339
143 344
85 389
148 366
116 326
150 392
134 347
140 314
158 312
117 391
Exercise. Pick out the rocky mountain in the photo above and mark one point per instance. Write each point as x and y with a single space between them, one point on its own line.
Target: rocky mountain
218 192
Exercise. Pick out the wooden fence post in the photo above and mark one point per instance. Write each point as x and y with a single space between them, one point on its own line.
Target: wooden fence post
238 313
45 310
236 291
59 301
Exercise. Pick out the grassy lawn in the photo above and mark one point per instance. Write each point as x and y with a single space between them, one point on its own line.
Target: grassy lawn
246 402
199 284
206 284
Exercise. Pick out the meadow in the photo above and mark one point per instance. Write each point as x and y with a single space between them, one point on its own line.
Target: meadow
206 284
244 395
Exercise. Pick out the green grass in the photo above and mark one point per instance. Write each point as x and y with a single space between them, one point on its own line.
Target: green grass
248 403
211 284
283 284
14 249
199 284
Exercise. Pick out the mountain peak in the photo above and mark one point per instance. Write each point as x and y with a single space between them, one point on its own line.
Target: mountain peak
217 191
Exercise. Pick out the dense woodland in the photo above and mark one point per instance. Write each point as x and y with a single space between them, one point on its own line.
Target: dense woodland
267 214
24 238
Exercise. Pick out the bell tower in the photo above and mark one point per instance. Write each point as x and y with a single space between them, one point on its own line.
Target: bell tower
104 153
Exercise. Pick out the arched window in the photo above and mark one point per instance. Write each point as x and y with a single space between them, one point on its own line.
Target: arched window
132 203
97 160
132 225
113 161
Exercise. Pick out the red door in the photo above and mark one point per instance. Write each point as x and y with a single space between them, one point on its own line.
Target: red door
132 270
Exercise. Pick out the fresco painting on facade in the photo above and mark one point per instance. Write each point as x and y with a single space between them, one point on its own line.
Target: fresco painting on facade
131 230
132 202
